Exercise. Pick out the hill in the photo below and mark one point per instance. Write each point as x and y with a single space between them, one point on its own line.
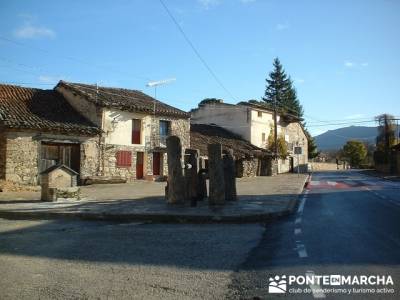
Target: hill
335 139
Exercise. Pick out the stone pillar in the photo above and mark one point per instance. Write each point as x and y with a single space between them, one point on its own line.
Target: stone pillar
191 178
202 184
229 176
49 194
216 175
176 183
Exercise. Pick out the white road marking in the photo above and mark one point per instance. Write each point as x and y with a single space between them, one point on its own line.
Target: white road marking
301 206
297 231
315 288
297 221
301 250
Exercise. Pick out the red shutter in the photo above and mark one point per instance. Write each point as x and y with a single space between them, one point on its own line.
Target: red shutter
124 159
135 137
136 128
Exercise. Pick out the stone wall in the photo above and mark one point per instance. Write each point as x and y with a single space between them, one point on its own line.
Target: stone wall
110 162
296 137
22 155
111 169
283 165
90 157
2 155
181 128
250 167
247 167
322 166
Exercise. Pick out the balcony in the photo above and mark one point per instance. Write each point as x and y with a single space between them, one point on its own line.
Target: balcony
156 142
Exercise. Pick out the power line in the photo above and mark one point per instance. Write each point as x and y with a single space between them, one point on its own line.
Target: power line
351 138
345 123
196 52
343 120
70 58
88 87
26 83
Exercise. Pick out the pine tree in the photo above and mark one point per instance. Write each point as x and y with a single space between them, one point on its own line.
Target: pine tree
278 85
312 147
290 103
280 88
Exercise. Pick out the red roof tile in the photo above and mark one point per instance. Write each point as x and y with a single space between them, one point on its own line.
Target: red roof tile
47 110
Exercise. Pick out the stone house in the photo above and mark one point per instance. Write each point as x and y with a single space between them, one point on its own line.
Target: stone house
250 160
134 129
101 133
254 123
38 129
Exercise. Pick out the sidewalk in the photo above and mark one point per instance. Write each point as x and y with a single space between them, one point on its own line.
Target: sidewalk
260 199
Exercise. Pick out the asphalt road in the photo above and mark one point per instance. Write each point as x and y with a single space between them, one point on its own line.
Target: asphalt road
95 260
346 224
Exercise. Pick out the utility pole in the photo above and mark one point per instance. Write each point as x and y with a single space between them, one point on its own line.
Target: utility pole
275 130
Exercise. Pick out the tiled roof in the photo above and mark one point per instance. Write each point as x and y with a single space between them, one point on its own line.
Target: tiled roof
203 134
46 110
123 99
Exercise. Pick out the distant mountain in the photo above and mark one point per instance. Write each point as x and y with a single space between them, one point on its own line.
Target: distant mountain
335 139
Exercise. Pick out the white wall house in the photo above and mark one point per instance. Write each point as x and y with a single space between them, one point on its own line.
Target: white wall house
134 129
254 123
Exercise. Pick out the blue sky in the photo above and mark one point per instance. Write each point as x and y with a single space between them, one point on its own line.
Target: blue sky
342 55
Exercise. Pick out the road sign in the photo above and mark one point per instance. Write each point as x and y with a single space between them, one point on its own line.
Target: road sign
298 150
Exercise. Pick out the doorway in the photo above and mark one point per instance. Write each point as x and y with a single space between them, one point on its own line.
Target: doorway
156 163
139 165
291 164
55 154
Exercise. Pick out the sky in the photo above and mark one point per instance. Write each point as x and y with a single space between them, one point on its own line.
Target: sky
343 56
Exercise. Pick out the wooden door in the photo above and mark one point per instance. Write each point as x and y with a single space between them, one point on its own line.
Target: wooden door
53 154
139 165
156 163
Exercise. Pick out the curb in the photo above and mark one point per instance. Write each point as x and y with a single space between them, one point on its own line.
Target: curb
294 202
156 218
159 218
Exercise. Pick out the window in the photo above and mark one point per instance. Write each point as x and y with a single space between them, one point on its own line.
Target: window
136 131
259 114
124 159
263 137
164 128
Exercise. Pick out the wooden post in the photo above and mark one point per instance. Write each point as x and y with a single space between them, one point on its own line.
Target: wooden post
176 183
216 175
229 176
